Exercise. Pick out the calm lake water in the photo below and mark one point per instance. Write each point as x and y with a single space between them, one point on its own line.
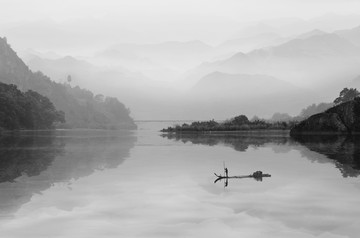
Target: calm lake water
145 184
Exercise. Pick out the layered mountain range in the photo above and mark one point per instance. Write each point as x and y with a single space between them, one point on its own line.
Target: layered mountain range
82 108
314 54
258 66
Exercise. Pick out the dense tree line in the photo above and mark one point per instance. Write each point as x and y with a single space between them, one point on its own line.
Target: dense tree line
28 110
238 123
279 121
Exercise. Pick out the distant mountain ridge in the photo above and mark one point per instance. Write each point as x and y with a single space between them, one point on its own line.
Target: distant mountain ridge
308 34
170 54
314 46
315 54
239 84
352 35
81 107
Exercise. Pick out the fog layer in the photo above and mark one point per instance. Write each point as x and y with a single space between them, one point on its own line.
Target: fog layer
194 61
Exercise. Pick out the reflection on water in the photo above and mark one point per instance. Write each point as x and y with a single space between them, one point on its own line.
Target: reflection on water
344 151
257 175
75 184
240 142
27 155
32 162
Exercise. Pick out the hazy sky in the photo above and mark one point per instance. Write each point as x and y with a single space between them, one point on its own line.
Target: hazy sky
242 10
57 25
86 28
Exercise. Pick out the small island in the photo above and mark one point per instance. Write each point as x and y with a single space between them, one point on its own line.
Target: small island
238 123
343 118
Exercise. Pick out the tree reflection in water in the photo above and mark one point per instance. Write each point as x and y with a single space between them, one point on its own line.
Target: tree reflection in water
31 162
28 154
343 151
239 142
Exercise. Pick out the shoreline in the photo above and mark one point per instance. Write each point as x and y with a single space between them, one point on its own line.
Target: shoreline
286 131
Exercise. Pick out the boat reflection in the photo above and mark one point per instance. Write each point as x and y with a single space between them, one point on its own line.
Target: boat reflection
258 176
342 151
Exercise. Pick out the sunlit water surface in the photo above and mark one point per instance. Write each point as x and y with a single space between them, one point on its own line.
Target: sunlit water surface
142 184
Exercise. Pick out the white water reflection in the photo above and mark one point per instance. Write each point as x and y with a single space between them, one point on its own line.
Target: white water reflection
164 188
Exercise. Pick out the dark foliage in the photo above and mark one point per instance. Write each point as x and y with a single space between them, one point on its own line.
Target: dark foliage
28 155
314 109
28 110
343 150
240 120
239 123
82 109
340 119
347 95
239 142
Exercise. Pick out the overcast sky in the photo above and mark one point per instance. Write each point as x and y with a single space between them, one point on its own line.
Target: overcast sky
241 10
55 25
85 28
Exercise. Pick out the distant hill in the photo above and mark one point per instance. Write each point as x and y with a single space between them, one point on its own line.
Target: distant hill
82 108
245 44
319 62
352 35
318 45
86 74
241 85
255 29
58 69
167 48
309 34
174 55
317 58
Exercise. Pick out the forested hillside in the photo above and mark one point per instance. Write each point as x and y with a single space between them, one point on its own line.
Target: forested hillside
82 108
27 110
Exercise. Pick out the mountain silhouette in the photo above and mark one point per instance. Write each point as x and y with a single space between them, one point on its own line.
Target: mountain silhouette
82 109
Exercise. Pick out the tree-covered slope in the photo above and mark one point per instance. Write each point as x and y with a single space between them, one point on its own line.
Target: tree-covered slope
82 108
28 110
340 119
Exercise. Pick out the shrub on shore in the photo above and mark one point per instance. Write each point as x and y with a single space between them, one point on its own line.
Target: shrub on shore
239 123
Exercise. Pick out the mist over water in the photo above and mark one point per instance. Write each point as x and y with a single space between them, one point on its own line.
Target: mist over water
32 162
101 184
108 65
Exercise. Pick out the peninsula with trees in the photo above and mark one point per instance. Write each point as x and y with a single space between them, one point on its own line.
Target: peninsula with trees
340 117
238 123
343 118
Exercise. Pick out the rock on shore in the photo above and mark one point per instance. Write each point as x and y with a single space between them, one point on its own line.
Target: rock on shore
341 119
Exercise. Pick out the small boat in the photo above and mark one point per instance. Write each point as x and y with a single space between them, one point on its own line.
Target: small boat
258 175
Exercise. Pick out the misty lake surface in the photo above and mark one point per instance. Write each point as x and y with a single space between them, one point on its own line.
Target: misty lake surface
144 184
